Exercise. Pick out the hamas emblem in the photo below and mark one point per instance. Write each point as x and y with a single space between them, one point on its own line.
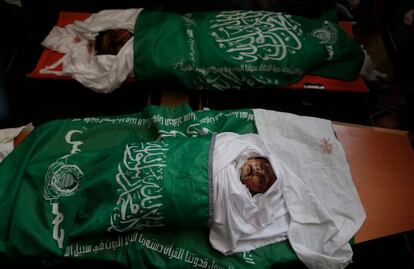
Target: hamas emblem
61 179
327 35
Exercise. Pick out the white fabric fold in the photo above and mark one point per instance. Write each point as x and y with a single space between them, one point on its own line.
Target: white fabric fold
242 222
324 206
101 73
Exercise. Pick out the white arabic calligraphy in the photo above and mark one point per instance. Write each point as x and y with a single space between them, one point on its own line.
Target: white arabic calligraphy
260 35
140 193
75 144
62 179
58 235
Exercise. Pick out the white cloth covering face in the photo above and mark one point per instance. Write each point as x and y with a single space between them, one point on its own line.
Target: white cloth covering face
324 206
242 222
101 73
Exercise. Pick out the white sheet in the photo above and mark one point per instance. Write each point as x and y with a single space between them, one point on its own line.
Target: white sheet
242 222
101 73
324 206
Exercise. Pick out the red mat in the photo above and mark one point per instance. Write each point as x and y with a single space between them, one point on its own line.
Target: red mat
49 57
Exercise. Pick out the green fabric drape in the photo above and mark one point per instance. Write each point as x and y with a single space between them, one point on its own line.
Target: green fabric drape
70 190
239 49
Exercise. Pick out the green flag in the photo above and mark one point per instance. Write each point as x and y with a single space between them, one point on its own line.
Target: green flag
240 49
131 189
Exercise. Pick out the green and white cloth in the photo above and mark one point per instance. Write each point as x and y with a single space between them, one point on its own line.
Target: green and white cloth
102 189
240 49
205 50
52 187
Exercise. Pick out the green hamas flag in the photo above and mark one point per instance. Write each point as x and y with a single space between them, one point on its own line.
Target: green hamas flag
119 189
240 49
153 188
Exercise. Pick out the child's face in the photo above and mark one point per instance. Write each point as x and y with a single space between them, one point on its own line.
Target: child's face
258 175
114 40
